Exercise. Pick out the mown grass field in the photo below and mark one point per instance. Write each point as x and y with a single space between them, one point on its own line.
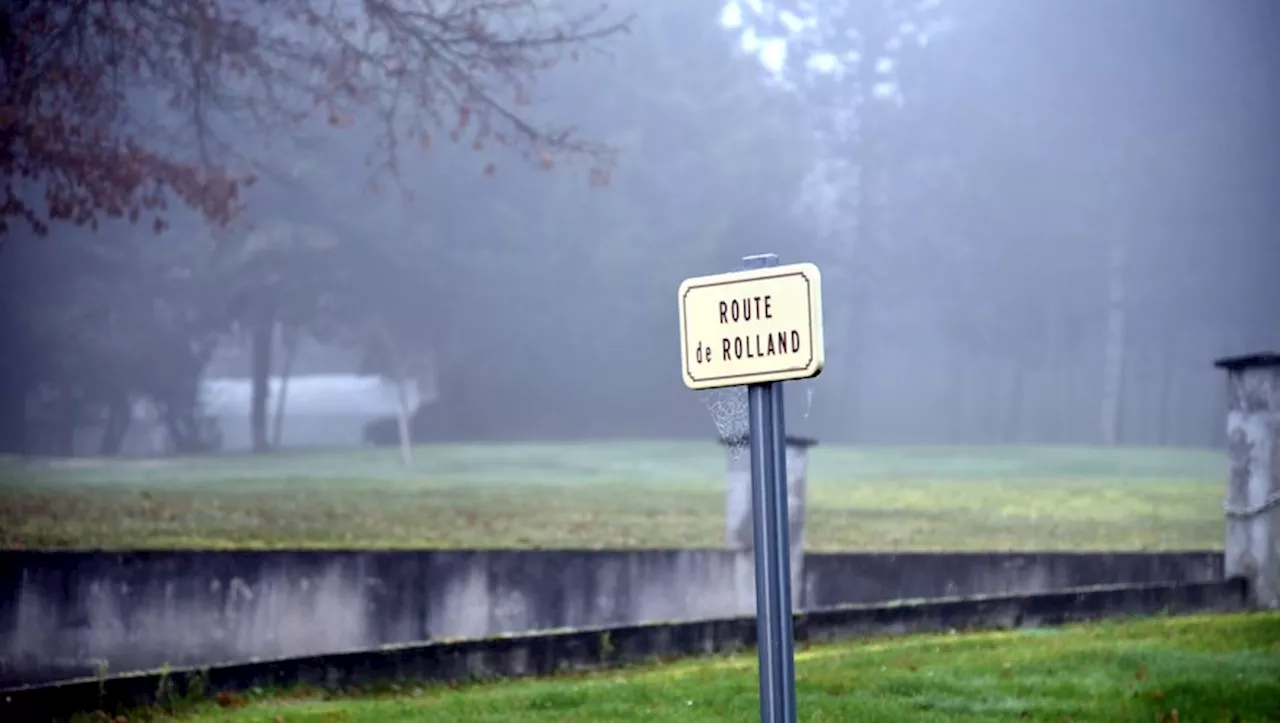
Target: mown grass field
624 494
1202 669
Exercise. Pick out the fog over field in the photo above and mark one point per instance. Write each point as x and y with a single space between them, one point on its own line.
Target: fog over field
1038 222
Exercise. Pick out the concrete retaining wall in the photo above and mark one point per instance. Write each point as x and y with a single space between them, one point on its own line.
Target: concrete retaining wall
547 653
69 614
840 579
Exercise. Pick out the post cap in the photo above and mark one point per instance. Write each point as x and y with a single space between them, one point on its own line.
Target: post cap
759 261
1249 361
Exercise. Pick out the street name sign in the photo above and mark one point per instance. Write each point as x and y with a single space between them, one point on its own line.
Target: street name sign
751 327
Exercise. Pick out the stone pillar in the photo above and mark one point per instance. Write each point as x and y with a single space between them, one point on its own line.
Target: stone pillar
1253 488
738 530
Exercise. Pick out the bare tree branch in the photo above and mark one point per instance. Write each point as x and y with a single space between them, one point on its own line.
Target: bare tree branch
114 107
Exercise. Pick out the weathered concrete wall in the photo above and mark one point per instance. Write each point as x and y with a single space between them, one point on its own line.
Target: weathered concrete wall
1253 485
554 652
842 579
63 613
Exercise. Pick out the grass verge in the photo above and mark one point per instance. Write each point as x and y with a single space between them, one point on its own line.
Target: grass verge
1202 668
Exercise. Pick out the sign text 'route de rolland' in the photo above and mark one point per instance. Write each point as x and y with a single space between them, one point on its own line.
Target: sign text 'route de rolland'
760 327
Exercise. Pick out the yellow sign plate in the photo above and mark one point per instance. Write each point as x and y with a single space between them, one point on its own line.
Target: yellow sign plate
751 327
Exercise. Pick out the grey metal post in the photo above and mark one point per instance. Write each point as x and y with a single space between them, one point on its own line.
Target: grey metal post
782 552
774 631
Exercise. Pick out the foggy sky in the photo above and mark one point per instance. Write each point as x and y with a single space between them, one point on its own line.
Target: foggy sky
965 196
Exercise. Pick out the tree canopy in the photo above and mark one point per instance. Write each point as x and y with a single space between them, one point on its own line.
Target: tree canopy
115 108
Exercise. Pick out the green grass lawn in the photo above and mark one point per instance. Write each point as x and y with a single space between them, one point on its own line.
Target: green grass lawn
1202 669
625 494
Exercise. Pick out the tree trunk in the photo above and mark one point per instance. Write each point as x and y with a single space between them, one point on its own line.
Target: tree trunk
844 400
16 373
1166 408
1052 381
403 415
1113 361
182 435
260 369
13 414
1013 416
960 388
399 375
289 340
64 428
119 417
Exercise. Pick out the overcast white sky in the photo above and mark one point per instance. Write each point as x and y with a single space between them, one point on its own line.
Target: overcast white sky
745 16
740 15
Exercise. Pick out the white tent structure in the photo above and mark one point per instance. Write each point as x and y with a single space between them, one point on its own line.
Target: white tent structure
321 410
